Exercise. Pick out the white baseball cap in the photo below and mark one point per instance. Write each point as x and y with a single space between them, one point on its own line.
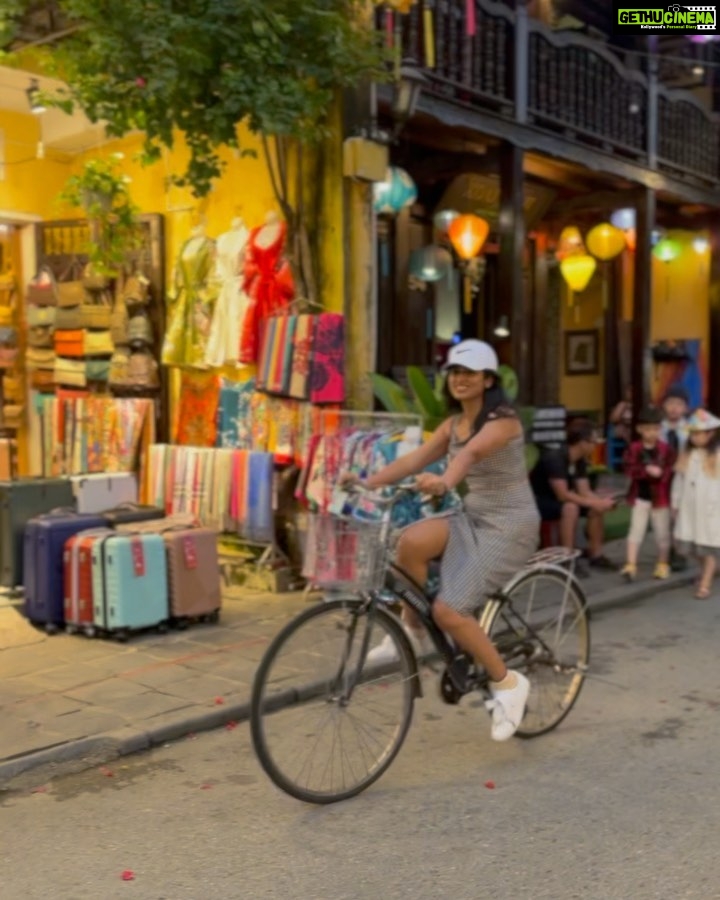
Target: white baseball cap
474 355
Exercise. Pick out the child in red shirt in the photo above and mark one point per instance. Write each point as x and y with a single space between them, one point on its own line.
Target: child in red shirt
649 464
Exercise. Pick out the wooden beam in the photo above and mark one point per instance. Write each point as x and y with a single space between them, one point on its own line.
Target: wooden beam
540 393
642 303
511 227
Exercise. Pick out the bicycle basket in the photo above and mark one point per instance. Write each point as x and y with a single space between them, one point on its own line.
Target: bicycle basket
344 553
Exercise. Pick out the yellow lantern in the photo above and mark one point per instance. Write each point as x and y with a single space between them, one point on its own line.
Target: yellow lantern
577 271
467 235
570 242
605 241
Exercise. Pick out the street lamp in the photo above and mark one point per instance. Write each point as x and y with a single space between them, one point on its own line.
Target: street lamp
406 93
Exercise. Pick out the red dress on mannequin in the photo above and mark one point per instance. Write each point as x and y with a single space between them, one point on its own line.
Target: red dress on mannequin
269 285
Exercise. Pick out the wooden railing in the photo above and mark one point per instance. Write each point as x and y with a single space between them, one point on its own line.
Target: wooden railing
560 83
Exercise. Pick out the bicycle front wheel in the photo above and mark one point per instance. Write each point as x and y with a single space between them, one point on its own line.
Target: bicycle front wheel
325 722
541 629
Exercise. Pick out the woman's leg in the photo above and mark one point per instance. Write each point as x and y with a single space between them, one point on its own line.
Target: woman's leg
469 635
419 544
709 564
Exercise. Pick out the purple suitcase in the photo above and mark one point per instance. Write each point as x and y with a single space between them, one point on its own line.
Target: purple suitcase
43 581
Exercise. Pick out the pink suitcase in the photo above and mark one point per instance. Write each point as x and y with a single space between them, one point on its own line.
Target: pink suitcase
78 580
193 574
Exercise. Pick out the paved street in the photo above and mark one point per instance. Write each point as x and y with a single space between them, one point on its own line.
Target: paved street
620 802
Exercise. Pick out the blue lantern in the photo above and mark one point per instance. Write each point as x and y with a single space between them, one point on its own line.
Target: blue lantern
430 263
395 193
624 219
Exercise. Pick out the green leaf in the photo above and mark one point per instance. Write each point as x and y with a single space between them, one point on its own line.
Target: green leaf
390 394
532 455
509 381
424 395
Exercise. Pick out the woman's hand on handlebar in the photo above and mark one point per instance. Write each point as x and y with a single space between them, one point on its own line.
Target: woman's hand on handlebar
427 483
349 479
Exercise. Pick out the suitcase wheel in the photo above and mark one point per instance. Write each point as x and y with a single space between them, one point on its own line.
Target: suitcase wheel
213 618
122 635
162 628
181 624
90 632
71 629
51 628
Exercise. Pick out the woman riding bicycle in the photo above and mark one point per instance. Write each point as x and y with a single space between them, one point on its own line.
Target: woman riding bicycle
483 545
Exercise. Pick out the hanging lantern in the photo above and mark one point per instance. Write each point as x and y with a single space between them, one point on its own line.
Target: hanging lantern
430 263
467 235
577 271
624 219
395 193
666 250
570 242
700 244
631 239
443 220
605 241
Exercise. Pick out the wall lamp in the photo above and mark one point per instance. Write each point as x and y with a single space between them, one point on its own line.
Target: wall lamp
406 89
33 94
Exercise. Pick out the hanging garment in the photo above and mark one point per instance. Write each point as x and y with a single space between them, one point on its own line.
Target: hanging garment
260 506
192 309
224 340
302 345
270 287
199 397
234 425
327 379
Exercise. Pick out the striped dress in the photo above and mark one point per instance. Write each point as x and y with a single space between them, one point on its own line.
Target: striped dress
495 533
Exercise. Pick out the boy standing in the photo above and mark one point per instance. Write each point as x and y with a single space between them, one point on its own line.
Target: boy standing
649 464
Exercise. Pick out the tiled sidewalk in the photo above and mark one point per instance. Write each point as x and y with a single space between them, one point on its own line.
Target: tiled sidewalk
68 697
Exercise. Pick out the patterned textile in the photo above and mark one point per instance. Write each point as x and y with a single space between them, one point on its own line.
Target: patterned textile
302 344
327 381
234 423
199 398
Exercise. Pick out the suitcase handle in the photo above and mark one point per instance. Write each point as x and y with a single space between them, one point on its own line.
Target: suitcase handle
62 511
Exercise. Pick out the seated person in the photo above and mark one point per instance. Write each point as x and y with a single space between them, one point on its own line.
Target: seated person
562 491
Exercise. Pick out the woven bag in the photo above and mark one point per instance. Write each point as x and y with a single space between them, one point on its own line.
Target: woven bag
70 372
40 336
42 290
39 359
97 369
41 315
70 342
97 343
69 319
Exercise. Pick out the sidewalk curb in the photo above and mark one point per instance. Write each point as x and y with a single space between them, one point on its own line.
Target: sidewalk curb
103 748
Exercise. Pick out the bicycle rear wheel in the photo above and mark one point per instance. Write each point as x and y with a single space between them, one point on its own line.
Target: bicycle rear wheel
325 723
542 630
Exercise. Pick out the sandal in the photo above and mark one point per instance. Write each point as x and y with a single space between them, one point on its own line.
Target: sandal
702 593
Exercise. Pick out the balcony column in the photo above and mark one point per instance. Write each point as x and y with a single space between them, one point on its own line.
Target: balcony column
511 228
714 349
642 301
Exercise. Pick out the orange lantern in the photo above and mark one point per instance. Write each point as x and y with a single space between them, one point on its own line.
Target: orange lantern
631 239
467 234
605 241
570 242
577 271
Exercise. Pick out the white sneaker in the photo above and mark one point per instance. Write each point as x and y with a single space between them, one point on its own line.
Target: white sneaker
508 708
385 651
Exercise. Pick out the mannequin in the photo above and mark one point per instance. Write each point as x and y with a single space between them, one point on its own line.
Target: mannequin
224 341
269 233
198 235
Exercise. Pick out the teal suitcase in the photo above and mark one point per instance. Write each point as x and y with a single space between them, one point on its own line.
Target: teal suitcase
130 587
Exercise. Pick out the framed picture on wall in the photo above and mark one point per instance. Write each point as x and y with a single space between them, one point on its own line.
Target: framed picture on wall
582 352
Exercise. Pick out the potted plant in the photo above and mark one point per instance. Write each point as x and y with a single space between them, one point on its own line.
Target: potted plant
101 190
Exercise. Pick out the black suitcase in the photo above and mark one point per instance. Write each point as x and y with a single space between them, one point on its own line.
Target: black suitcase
21 501
131 512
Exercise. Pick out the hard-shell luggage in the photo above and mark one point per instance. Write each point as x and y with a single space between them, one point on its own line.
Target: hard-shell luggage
132 512
78 593
159 526
129 583
45 538
101 492
193 573
21 501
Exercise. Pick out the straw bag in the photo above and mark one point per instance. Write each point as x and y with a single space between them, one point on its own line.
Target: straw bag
43 379
97 343
8 335
69 319
70 343
8 298
97 369
119 368
136 290
39 359
119 321
143 371
71 372
93 280
139 332
12 415
95 315
8 356
12 387
40 336
42 290
41 315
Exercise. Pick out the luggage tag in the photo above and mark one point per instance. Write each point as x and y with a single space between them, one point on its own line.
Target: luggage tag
138 557
189 553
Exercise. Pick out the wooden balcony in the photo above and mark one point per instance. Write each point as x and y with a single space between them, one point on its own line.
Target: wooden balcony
563 85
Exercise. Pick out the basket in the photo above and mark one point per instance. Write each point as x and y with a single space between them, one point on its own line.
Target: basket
345 553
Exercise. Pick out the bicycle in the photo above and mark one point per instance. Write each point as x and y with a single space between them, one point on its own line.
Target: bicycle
296 716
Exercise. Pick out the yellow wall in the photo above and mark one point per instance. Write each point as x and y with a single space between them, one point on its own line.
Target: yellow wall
583 392
30 185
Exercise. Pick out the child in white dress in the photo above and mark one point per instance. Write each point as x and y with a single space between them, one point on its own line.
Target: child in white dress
696 496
